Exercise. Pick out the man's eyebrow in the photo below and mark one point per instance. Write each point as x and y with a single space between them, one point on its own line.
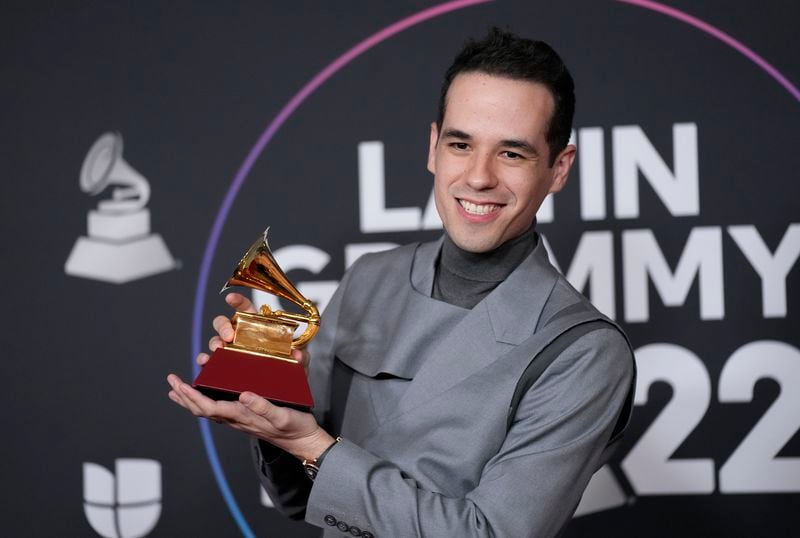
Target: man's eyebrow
455 133
520 144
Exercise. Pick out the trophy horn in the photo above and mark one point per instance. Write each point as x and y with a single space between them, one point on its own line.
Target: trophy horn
258 270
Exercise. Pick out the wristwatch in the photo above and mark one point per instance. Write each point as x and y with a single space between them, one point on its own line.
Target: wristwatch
311 467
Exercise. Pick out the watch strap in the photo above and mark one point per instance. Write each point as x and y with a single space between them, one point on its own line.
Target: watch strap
311 467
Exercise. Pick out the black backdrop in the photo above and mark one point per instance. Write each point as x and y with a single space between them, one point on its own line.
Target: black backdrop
705 281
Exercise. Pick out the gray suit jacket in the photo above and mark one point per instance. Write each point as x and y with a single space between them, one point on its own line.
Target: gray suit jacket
420 390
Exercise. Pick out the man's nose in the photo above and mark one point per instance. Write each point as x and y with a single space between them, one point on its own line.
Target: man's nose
480 174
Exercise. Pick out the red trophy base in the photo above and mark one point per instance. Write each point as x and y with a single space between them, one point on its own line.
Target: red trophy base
230 372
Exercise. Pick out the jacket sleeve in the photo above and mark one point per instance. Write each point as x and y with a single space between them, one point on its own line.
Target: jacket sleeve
530 487
280 473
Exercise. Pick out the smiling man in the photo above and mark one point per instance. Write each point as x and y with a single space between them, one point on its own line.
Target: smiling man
472 390
490 159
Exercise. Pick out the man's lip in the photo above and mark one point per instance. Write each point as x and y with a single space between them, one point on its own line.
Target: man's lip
478 202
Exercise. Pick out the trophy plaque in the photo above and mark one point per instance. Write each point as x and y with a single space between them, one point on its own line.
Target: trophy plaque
259 359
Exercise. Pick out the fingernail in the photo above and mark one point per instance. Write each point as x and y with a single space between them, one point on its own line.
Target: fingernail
227 334
246 398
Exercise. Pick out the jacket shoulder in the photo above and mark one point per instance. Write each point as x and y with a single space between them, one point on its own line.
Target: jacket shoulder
375 261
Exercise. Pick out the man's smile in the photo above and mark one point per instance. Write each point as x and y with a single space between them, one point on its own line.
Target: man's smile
477 209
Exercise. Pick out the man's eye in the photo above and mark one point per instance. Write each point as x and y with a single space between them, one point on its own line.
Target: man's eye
460 145
512 155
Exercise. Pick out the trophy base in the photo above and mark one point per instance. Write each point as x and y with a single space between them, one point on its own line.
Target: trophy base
230 372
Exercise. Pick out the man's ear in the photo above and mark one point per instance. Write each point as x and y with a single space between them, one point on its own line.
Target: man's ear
434 139
561 167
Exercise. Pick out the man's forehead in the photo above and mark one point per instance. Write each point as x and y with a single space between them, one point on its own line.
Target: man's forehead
473 83
465 77
526 102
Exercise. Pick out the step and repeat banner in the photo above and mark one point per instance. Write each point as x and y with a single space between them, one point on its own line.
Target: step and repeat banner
146 145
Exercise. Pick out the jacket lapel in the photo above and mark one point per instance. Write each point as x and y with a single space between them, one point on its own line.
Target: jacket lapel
495 326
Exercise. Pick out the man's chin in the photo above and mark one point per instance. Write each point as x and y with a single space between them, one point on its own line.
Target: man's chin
471 243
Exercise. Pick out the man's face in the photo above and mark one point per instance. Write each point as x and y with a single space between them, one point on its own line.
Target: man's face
491 159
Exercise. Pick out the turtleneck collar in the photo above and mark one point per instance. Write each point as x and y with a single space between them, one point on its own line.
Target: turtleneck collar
493 266
464 278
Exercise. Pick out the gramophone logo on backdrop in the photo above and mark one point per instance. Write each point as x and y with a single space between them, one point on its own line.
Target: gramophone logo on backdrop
127 506
119 247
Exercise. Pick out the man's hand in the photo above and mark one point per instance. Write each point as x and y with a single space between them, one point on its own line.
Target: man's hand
294 431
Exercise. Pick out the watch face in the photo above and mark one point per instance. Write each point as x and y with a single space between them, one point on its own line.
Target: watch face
311 471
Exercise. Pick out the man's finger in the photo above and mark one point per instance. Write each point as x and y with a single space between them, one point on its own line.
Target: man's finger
215 342
223 327
173 380
240 302
200 404
255 403
301 356
179 397
230 413
202 359
176 398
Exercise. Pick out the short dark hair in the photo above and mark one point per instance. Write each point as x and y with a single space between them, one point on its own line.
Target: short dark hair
505 54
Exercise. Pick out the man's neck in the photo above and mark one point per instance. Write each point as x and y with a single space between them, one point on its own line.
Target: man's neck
464 278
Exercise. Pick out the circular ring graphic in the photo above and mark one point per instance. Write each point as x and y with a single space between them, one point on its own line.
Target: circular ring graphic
294 103
720 35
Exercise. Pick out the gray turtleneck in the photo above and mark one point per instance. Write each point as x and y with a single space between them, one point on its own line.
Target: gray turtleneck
464 278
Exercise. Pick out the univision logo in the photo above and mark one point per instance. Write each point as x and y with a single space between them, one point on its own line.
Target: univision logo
127 506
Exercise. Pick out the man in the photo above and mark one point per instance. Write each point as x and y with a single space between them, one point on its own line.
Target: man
423 363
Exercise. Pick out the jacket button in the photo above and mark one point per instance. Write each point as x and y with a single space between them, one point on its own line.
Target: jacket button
330 520
355 531
342 526
367 534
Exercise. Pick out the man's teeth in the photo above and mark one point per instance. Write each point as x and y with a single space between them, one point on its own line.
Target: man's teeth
478 209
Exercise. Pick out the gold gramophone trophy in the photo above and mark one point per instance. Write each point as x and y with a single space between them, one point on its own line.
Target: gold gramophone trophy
259 359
